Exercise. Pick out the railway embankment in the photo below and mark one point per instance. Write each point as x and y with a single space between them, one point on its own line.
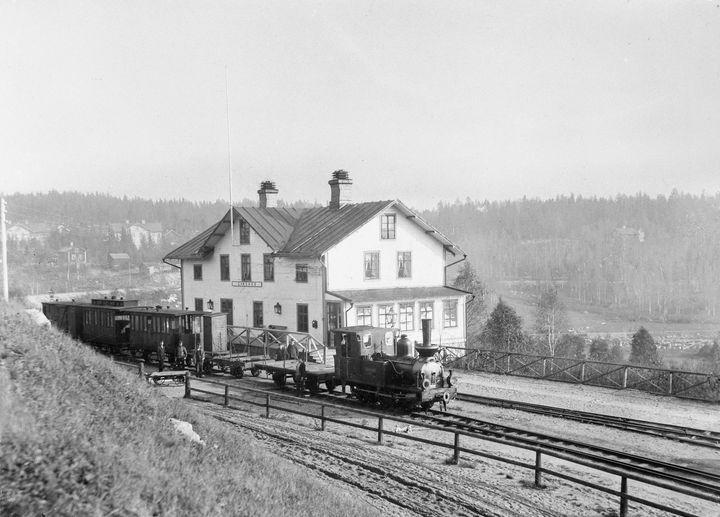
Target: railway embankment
82 436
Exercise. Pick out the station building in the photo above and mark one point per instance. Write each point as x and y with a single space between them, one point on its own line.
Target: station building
314 269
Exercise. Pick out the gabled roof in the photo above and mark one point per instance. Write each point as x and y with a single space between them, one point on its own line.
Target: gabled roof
301 232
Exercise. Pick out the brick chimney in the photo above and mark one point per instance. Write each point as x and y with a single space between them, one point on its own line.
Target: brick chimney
267 195
339 189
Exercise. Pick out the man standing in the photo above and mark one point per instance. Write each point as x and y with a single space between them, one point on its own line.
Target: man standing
161 356
199 360
181 355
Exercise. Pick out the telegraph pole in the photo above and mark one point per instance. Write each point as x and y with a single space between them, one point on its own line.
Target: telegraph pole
3 237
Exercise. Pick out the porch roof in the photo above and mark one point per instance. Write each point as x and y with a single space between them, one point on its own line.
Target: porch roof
399 294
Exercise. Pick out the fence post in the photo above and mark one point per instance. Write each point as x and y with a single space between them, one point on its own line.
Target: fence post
227 400
670 384
380 429
267 405
322 417
625 371
623 498
582 372
538 466
141 367
507 370
544 366
187 385
456 449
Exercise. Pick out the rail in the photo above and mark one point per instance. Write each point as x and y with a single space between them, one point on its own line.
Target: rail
659 381
276 343
693 436
625 472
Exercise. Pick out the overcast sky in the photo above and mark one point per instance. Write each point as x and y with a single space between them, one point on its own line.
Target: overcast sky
420 101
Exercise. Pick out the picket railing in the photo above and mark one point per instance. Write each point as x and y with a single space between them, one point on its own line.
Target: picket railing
675 383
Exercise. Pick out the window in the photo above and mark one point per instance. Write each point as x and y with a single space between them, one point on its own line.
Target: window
268 268
257 314
372 265
302 317
198 304
197 271
404 264
407 313
387 226
244 232
364 316
301 274
226 306
225 267
386 316
245 271
426 312
450 313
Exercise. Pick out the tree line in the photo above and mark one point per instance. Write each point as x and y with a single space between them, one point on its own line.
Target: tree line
656 258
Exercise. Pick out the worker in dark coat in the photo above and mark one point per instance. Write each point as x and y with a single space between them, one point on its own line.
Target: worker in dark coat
161 356
199 360
181 355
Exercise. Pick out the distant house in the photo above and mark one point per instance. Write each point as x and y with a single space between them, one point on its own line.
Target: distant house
143 232
118 261
151 268
172 238
25 232
116 230
72 255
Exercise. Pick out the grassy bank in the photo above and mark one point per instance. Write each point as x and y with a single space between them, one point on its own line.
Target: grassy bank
81 436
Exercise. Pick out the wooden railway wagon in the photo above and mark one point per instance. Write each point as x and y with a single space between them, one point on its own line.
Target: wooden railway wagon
150 325
65 316
101 322
105 322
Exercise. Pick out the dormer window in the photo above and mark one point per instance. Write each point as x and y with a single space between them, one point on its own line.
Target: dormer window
387 226
244 232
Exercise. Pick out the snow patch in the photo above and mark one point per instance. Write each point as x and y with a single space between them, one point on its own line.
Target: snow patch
186 429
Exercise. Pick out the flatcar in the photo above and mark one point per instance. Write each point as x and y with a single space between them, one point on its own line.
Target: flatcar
380 369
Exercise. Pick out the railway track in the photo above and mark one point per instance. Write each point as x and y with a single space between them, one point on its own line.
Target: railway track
692 481
689 435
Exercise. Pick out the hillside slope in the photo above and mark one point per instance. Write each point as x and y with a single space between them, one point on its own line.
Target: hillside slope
82 436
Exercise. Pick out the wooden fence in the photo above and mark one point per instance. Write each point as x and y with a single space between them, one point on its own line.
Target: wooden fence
221 392
675 383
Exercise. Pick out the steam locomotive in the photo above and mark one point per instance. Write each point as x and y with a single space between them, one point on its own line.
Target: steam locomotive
380 369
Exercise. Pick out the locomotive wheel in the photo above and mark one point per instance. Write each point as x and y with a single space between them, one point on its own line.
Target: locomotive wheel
236 370
330 385
426 405
255 371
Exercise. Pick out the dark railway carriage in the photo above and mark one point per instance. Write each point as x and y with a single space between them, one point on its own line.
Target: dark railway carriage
65 316
105 322
149 326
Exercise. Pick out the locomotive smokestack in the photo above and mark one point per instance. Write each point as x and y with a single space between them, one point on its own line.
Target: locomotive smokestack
267 195
339 189
426 331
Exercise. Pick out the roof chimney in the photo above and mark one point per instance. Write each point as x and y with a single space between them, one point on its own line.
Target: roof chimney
339 189
267 194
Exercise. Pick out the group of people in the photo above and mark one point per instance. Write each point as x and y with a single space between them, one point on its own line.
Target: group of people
181 356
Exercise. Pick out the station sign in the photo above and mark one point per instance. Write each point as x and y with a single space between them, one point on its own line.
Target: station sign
237 283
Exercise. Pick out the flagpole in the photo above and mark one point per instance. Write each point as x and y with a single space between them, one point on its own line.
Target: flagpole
227 118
